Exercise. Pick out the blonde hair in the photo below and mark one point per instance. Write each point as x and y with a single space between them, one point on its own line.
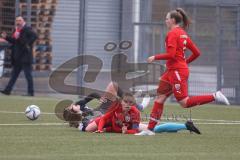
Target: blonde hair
129 98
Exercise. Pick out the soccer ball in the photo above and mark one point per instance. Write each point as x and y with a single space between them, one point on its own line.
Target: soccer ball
32 112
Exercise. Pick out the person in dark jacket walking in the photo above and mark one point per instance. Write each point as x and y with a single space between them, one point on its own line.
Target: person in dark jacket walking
22 41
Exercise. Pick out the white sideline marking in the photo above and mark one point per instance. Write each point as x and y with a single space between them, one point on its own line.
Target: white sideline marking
208 120
218 123
9 112
170 119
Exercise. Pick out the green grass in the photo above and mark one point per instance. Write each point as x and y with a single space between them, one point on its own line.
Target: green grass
220 142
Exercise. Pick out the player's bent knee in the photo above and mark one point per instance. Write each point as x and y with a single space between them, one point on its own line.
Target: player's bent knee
183 102
92 127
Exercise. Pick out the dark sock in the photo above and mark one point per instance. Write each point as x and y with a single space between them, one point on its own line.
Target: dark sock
87 99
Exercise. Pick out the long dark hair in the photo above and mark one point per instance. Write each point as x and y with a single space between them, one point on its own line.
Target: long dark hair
71 117
180 16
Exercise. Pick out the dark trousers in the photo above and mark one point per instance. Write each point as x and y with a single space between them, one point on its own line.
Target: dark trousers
27 69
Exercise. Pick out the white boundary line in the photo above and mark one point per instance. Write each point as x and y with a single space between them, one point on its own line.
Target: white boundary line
219 123
9 112
207 120
170 119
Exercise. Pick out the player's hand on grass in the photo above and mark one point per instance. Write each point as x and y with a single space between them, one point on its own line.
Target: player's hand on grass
150 59
124 129
99 131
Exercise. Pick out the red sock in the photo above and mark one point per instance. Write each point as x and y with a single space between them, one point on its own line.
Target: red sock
199 100
155 114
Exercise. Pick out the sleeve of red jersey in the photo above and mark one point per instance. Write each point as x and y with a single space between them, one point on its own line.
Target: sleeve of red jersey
103 120
135 121
170 48
108 129
195 51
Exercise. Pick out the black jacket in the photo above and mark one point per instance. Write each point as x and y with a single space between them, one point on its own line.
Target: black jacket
22 47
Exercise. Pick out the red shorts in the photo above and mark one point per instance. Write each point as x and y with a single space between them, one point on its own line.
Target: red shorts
96 120
176 82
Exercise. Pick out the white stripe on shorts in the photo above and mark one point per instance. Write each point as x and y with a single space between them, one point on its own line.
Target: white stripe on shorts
178 76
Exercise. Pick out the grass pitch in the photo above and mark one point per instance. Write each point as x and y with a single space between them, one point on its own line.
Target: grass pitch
48 138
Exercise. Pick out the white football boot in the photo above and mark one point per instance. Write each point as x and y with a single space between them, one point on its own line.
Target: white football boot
145 133
219 97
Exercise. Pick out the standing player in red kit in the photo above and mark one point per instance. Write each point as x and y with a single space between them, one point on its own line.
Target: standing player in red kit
177 73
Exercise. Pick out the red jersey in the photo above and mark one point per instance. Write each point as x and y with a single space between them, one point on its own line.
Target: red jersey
115 119
177 41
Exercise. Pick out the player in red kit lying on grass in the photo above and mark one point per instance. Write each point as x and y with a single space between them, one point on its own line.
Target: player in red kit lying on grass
123 117
113 94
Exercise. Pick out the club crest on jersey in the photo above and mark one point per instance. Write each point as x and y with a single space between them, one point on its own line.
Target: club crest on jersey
127 118
177 87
